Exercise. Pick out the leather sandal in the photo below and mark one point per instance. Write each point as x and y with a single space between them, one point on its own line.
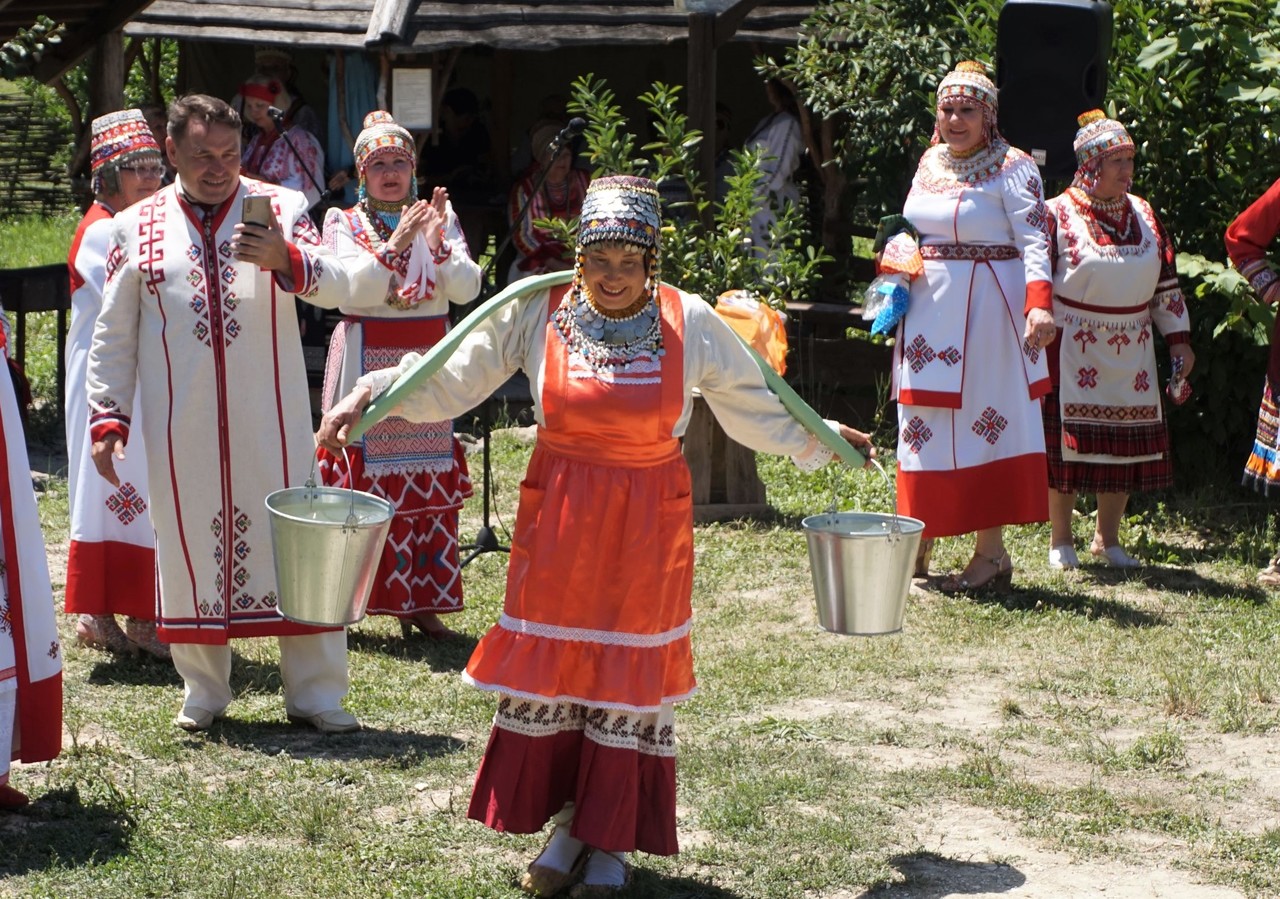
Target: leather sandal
1000 580
142 634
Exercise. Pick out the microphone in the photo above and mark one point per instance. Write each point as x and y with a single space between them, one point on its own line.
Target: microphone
276 116
576 126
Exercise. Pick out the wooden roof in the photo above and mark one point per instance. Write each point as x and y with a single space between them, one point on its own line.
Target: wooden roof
418 27
337 24
85 22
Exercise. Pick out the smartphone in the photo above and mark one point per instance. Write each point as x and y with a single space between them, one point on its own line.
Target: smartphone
256 210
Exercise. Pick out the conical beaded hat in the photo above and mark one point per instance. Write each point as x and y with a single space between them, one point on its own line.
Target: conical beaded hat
120 137
1099 136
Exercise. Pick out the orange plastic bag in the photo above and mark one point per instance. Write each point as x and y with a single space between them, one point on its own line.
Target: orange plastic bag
763 328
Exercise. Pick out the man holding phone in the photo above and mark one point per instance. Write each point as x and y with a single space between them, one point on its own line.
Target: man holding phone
198 312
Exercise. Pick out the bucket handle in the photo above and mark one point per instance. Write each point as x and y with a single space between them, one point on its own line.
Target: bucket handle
895 525
352 520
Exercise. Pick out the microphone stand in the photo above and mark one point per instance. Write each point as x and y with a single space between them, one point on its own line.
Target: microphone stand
486 538
306 170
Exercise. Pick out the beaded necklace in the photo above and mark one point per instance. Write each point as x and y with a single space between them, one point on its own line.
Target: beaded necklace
606 342
970 166
380 219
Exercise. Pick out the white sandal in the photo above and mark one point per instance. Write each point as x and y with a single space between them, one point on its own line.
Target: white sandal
1116 556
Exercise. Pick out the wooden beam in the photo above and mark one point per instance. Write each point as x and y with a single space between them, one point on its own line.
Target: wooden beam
702 97
110 17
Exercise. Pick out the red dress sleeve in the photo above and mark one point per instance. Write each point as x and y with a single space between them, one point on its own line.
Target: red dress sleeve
1248 238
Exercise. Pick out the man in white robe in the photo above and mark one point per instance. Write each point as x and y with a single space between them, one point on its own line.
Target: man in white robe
199 315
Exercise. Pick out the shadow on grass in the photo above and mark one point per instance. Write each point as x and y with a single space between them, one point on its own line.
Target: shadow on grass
927 875
1033 598
134 671
1177 580
648 885
402 748
438 655
59 830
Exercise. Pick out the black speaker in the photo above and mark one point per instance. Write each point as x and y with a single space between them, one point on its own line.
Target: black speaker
1051 65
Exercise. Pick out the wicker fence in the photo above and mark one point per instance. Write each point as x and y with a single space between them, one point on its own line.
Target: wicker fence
32 180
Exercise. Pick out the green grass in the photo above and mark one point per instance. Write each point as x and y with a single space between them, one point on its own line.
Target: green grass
1110 717
1094 705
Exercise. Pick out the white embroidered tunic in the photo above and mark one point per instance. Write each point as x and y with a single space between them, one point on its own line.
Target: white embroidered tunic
212 345
1110 290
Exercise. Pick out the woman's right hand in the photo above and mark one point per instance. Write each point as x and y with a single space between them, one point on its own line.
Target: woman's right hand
341 418
412 220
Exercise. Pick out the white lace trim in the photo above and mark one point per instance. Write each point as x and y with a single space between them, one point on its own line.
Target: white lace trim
587 635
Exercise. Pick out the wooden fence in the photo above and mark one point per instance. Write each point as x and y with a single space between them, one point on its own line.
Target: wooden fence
32 181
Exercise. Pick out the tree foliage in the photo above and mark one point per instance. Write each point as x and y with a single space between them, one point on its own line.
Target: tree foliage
706 243
20 55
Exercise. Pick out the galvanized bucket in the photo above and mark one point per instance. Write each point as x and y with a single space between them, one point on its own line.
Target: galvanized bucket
862 564
327 543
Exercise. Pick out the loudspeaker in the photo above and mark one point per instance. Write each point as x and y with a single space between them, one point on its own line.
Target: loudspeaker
1051 65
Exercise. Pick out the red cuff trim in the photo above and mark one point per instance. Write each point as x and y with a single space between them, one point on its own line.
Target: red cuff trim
443 252
1039 296
103 430
297 270
1178 337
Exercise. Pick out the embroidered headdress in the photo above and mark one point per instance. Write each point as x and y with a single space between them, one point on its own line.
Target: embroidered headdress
1098 138
969 82
118 138
621 210
382 134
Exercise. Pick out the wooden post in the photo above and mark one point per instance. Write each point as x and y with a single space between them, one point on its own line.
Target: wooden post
702 97
725 482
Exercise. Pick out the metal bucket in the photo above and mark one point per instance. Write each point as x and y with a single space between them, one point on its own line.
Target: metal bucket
862 564
327 543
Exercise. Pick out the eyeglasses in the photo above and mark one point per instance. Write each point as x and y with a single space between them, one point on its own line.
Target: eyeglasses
144 171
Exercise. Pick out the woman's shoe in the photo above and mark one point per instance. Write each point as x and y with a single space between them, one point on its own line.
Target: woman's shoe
11 798
923 555
1115 555
588 890
429 623
999 578
102 632
544 880
1063 557
142 634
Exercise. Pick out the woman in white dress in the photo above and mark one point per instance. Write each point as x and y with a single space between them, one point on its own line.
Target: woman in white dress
970 442
1115 278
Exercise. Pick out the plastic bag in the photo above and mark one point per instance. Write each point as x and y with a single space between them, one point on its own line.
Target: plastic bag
760 326
885 303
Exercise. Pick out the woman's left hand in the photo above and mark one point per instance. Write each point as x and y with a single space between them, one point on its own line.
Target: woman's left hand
1040 330
1187 355
859 441
341 418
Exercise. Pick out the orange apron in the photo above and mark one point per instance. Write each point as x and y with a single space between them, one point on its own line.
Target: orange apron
597 607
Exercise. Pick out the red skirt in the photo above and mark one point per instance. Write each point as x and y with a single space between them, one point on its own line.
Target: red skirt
618 767
1096 477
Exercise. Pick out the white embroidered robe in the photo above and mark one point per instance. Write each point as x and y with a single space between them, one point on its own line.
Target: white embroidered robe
212 345
30 652
111 560
970 438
